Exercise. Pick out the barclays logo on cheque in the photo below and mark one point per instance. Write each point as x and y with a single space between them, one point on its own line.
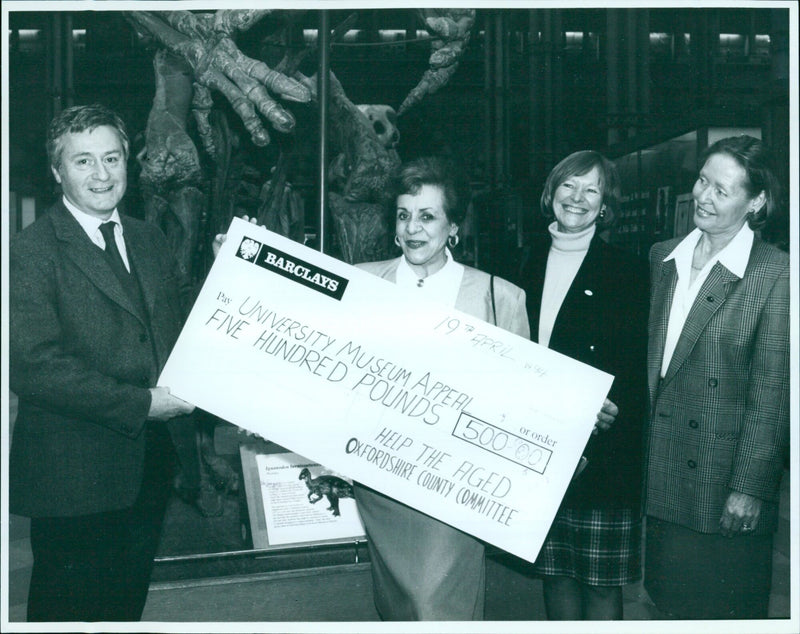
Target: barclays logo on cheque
292 268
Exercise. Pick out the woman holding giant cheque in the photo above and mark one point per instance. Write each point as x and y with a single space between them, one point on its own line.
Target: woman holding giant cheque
423 569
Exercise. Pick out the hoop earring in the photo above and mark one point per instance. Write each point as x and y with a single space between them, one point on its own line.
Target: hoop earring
397 241
452 241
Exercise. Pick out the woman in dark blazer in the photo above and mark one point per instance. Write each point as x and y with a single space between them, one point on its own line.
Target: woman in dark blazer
718 367
588 300
423 569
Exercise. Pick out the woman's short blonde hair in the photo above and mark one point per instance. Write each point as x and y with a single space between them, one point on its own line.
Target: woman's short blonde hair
578 164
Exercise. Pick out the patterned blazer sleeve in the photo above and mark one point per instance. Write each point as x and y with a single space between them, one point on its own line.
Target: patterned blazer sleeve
763 441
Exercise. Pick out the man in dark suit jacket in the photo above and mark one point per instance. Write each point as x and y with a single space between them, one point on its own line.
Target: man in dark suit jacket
96 304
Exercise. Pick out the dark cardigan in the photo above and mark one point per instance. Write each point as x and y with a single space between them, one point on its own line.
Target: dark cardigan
602 322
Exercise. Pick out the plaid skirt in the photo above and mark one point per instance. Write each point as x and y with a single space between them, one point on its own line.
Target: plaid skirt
599 547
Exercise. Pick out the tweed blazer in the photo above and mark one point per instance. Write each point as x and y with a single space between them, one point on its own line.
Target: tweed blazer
719 419
603 323
82 362
474 296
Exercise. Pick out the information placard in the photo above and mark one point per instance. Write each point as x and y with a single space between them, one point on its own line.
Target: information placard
470 424
292 501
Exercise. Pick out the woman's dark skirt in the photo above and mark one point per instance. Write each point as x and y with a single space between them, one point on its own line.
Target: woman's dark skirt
691 575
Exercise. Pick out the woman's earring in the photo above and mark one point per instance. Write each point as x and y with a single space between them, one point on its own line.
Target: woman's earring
452 241
602 213
397 241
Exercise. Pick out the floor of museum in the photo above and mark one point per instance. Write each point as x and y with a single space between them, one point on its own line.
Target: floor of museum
294 595
338 592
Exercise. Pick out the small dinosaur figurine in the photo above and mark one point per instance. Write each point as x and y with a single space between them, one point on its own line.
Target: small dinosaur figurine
330 487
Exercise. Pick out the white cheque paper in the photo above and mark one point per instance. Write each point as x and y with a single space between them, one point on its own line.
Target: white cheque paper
462 420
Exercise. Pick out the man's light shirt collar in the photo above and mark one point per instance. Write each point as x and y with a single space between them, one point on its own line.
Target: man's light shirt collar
91 224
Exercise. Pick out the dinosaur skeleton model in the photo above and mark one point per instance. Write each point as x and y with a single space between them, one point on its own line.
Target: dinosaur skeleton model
191 191
199 58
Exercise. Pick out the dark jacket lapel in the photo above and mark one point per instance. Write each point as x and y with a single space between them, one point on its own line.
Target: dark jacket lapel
586 283
142 262
88 257
533 281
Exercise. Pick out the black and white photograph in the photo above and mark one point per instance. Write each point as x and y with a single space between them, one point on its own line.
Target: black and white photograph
330 316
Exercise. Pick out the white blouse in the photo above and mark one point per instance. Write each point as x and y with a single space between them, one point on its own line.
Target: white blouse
733 257
442 286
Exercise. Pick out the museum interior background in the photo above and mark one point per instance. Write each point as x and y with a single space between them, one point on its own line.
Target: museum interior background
507 93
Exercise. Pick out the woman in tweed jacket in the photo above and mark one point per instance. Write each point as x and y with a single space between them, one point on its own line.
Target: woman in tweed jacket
718 363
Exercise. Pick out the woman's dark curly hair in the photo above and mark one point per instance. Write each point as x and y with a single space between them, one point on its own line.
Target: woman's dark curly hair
439 172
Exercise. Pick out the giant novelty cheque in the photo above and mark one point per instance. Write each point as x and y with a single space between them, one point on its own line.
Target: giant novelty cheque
453 416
